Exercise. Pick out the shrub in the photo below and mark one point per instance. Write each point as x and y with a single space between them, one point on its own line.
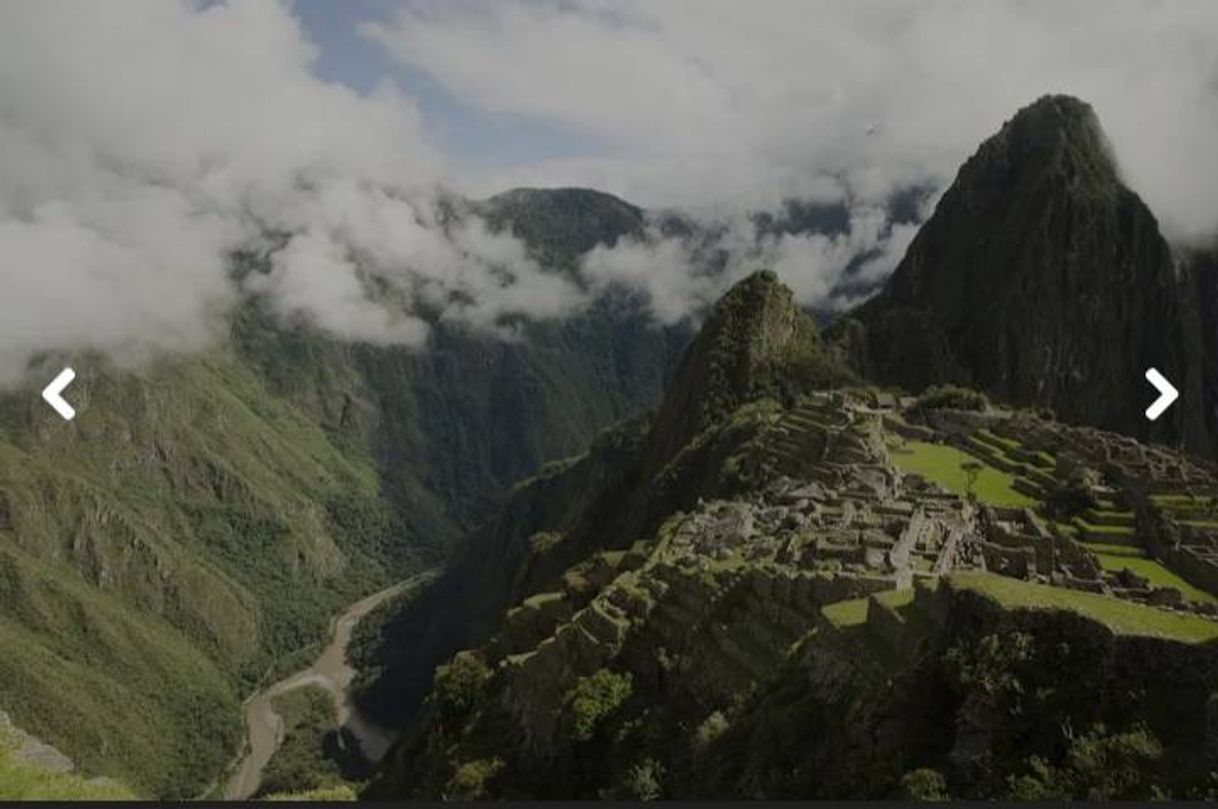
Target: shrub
1069 498
711 729
459 684
924 784
645 781
469 781
593 698
953 397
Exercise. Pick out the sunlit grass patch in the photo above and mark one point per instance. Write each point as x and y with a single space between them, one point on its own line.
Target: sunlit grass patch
1124 617
944 464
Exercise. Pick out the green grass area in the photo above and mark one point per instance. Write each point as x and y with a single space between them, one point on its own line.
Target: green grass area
1066 529
1111 534
324 795
990 437
846 613
1154 571
25 781
1124 617
853 612
943 464
1169 500
1115 550
1112 516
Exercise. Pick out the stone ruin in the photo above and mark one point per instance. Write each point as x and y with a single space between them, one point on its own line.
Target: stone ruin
840 507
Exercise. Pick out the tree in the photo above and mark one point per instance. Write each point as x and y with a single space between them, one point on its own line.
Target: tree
595 697
972 470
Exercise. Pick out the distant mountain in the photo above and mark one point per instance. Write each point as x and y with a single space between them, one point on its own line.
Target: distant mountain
1043 280
561 224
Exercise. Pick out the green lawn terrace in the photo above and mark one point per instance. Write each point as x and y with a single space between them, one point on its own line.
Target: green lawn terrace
918 609
1022 458
1121 616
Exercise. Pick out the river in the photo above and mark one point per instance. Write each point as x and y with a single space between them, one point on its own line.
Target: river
264 727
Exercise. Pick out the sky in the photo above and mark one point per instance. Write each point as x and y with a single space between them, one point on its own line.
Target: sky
143 142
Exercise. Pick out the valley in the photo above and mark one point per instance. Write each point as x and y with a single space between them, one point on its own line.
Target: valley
331 671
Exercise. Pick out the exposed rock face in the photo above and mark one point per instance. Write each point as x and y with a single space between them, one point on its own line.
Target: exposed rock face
1043 280
1202 267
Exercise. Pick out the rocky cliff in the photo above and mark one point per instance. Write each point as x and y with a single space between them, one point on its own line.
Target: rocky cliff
1044 280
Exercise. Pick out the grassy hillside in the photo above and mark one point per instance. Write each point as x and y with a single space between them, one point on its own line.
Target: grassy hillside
25 781
146 549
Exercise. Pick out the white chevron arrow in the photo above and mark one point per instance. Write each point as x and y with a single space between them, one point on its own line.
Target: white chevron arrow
52 394
1167 394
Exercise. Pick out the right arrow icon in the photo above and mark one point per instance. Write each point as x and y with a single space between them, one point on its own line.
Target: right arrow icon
1167 394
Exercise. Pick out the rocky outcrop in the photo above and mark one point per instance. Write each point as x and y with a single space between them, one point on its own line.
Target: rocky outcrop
1045 281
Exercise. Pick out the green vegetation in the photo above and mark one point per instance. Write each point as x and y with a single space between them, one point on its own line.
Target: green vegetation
593 698
458 684
945 465
128 692
323 795
953 397
1100 766
1124 617
1134 551
301 763
1064 748
1151 569
26 781
853 612
924 784
470 780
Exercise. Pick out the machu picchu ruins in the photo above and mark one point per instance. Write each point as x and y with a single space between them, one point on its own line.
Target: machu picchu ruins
846 503
860 542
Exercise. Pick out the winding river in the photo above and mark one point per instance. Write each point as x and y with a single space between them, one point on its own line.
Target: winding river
264 727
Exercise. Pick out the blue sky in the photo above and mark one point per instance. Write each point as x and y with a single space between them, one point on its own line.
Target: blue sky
468 135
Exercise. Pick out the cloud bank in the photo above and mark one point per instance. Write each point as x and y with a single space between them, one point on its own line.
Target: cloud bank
142 143
723 100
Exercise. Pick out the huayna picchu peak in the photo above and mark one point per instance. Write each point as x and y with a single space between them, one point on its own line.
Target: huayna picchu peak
1044 281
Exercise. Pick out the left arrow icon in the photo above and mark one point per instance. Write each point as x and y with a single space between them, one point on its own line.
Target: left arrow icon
52 394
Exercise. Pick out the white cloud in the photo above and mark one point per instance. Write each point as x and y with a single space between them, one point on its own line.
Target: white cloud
142 142
719 99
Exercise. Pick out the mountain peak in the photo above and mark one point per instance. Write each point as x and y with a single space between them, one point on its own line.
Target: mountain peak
1056 139
561 224
1042 280
755 342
